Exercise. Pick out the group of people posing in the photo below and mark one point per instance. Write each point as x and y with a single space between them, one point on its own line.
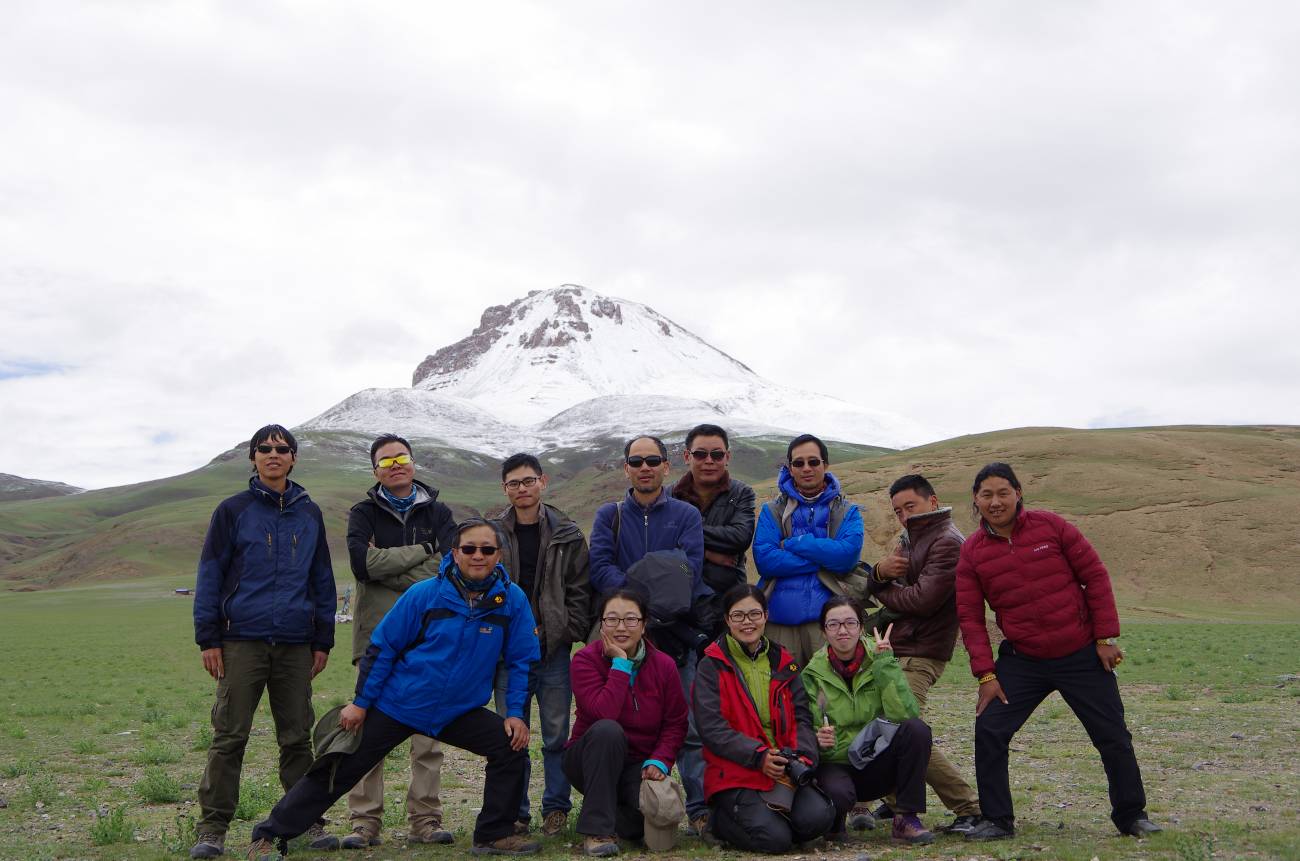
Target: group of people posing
784 707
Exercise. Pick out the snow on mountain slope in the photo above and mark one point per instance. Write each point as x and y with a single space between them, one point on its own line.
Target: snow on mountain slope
566 365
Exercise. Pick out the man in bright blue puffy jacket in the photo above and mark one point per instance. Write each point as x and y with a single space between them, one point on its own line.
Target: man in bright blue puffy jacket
264 620
429 670
808 538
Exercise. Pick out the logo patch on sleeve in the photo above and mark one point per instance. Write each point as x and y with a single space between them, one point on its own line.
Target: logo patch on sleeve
498 600
485 629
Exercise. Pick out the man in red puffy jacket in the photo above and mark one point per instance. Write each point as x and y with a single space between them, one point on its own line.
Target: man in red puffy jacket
1053 601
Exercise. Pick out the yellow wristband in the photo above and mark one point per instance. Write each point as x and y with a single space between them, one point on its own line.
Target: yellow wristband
988 677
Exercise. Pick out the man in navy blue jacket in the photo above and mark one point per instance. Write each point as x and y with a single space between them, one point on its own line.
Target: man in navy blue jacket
429 670
264 619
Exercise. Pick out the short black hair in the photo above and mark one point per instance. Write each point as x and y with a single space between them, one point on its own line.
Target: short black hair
632 595
472 522
842 601
663 449
383 440
803 438
271 432
997 469
917 483
740 592
706 430
521 459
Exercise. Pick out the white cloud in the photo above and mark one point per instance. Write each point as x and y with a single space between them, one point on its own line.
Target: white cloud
216 215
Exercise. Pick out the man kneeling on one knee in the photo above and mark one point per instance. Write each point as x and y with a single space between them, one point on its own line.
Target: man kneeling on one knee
429 670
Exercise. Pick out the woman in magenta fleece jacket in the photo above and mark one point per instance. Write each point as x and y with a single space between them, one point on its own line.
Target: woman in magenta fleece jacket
631 722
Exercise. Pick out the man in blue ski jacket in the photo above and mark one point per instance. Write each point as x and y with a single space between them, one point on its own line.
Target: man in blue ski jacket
429 670
809 538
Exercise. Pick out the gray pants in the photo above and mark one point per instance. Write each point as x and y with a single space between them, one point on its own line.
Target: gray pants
284 671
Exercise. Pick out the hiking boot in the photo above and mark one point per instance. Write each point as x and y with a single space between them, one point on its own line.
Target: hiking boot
210 844
600 847
429 831
883 812
555 823
908 829
1141 827
362 837
264 850
320 839
522 826
860 818
988 829
698 826
514 844
961 825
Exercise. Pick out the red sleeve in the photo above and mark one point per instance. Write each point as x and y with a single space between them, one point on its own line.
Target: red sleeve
970 611
1092 574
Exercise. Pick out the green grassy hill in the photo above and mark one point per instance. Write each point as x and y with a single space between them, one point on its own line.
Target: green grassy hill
1196 521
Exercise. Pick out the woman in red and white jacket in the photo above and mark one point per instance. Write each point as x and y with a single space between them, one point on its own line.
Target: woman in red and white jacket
1052 599
753 717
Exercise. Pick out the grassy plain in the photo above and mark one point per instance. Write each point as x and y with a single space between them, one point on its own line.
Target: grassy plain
104 722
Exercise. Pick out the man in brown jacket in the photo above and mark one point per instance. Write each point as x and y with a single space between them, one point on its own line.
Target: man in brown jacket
546 555
917 586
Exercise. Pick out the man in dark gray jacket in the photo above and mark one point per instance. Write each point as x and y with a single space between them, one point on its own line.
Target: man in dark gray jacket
546 555
727 507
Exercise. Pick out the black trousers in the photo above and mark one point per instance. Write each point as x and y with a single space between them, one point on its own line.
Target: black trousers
610 783
900 769
1091 692
478 731
743 819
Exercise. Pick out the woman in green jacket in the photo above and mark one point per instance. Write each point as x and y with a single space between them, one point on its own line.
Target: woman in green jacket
850 683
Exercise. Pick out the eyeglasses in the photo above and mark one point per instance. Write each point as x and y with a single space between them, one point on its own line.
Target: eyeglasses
267 448
516 483
814 462
716 455
833 625
735 617
388 462
636 460
628 622
471 550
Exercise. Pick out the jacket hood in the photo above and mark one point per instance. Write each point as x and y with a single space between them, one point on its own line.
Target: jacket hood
785 482
293 492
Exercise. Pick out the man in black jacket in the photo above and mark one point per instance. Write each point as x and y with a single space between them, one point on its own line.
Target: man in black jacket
396 536
727 507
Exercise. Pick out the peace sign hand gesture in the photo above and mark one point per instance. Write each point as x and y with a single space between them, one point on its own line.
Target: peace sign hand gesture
882 640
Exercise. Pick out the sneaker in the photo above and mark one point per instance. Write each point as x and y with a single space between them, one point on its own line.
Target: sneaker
1141 827
555 823
429 831
600 847
264 850
961 825
362 837
210 845
988 829
860 818
515 844
908 829
320 839
698 826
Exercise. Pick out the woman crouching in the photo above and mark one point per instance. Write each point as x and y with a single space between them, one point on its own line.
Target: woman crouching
631 722
850 683
759 745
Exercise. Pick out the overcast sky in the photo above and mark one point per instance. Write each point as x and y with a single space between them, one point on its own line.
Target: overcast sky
979 215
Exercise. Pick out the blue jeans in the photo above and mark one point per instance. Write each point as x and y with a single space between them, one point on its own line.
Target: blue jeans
549 683
690 761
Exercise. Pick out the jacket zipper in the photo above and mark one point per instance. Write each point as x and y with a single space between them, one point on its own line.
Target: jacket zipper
294 553
225 606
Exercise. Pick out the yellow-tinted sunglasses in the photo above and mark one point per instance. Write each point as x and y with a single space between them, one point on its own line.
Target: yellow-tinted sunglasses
386 462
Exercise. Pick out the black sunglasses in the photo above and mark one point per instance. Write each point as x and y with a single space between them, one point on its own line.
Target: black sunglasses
716 455
814 462
636 460
267 448
471 550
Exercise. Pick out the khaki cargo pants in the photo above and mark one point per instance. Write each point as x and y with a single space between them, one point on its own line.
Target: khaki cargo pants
947 783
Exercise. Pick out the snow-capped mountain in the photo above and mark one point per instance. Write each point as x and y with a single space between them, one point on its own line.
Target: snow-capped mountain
563 366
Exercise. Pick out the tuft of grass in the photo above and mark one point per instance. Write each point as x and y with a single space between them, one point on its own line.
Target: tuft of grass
16 768
1176 694
202 738
1241 697
178 842
156 787
87 746
93 785
113 828
255 800
41 789
155 753
16 732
